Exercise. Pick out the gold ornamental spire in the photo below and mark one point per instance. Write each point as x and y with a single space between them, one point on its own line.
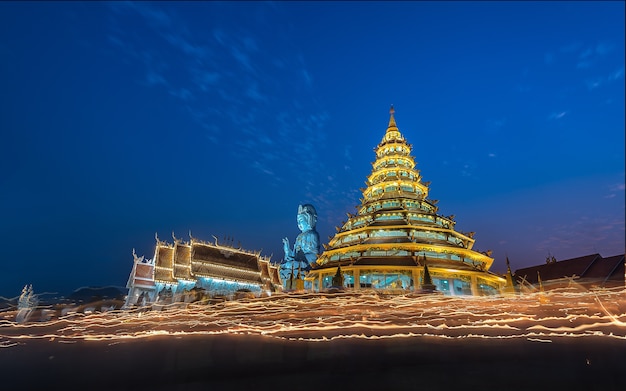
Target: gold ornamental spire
392 121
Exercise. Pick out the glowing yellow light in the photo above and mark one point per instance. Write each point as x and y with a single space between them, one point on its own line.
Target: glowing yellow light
325 317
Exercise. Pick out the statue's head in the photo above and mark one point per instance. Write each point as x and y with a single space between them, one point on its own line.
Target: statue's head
307 217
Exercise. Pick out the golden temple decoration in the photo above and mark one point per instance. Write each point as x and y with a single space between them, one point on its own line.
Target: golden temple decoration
396 224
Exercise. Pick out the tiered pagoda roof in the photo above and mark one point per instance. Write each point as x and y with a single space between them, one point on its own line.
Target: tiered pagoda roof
396 223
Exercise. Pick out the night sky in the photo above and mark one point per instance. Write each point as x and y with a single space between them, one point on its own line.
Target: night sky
120 120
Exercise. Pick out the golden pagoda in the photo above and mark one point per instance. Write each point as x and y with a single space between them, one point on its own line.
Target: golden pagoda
397 232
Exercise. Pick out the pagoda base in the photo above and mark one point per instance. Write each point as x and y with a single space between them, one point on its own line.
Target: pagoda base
427 289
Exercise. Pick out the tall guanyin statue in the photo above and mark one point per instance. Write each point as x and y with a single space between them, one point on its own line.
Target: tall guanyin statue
305 249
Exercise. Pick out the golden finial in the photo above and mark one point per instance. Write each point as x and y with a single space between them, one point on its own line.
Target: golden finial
392 121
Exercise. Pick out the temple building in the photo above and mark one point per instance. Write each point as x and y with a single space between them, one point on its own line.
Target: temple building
397 233
141 285
589 271
215 268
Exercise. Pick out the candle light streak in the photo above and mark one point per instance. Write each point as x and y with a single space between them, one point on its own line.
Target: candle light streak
325 317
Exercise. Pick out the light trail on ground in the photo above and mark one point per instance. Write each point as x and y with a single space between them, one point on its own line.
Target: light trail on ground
316 317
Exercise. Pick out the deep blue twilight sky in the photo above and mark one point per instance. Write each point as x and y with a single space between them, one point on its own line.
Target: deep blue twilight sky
120 120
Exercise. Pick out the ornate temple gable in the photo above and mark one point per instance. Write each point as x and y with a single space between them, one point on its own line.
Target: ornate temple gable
142 274
164 263
182 262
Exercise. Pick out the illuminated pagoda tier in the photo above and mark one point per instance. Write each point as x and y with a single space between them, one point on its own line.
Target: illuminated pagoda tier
215 268
397 231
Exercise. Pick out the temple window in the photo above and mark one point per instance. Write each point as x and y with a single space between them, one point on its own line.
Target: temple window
486 288
443 285
327 281
462 287
348 279
386 280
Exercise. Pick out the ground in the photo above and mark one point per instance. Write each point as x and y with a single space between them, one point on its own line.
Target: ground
553 341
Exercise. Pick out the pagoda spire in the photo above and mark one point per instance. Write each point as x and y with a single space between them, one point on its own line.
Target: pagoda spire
510 282
392 120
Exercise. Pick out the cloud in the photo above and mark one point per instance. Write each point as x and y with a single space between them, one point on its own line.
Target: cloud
548 58
599 81
591 55
347 152
618 74
183 94
211 132
570 48
584 234
615 189
250 44
495 124
242 58
264 139
219 36
604 48
307 77
153 78
238 90
491 154
185 46
154 16
253 93
586 53
205 79
468 168
116 41
557 115
593 83
260 167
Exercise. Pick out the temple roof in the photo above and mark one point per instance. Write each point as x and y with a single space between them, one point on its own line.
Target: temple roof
223 256
400 261
592 267
187 261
